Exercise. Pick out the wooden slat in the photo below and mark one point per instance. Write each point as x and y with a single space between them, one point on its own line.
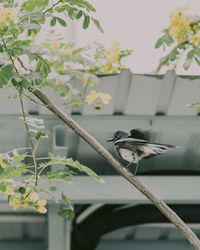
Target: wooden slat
122 92
143 94
144 245
186 91
166 92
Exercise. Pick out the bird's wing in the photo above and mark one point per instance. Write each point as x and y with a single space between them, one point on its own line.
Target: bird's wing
140 134
130 143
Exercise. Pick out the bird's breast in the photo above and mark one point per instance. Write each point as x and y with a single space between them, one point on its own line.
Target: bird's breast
127 154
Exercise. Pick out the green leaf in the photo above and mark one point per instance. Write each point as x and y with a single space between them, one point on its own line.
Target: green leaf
187 63
43 67
64 199
24 84
86 22
4 78
8 68
36 82
167 39
18 51
69 213
53 21
62 22
173 54
30 5
71 12
53 188
10 52
22 190
1 49
163 61
190 54
2 187
40 134
79 14
97 24
62 212
84 4
197 61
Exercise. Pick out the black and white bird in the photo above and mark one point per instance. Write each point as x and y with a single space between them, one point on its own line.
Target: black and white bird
136 146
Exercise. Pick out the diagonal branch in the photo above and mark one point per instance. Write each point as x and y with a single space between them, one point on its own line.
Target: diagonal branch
162 206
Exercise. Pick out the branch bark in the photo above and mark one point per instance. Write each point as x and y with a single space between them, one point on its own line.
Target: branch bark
162 206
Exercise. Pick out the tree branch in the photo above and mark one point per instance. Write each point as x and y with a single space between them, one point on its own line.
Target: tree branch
162 206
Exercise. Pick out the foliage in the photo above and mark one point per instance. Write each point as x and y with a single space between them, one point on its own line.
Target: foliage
194 105
25 192
26 65
184 35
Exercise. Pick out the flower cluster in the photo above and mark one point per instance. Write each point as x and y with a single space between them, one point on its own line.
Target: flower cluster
99 97
183 27
26 199
6 15
109 60
184 33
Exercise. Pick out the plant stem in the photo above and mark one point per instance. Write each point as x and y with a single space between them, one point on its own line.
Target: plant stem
162 206
33 150
52 6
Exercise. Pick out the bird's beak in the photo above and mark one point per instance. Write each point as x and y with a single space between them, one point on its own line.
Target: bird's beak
110 140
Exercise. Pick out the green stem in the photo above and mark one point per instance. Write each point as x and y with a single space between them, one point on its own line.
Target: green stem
33 150
52 6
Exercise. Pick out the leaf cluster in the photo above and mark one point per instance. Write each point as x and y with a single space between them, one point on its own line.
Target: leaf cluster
188 47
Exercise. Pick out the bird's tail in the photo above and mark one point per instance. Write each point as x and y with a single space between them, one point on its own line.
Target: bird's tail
158 148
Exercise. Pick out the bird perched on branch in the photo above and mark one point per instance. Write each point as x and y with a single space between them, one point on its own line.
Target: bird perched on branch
136 146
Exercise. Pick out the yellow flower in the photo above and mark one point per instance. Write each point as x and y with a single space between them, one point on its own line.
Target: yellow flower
6 15
91 97
195 38
42 210
57 81
9 190
180 24
107 53
3 165
33 197
54 46
25 205
16 205
116 46
105 98
42 203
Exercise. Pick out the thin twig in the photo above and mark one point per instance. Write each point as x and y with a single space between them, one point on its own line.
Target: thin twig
30 140
33 100
24 117
22 65
17 149
52 6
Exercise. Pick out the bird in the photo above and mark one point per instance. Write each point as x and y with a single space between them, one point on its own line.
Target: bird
136 146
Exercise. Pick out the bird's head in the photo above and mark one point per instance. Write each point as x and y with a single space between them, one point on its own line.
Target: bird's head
118 135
